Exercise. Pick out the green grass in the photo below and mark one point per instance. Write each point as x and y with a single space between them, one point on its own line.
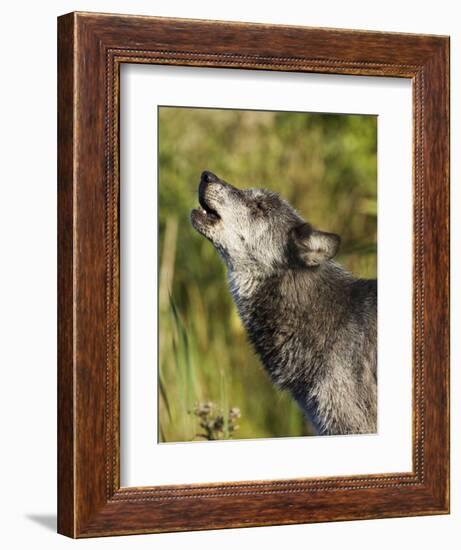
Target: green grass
323 164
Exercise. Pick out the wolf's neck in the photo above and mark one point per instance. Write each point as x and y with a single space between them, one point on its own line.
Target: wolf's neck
286 312
284 288
245 284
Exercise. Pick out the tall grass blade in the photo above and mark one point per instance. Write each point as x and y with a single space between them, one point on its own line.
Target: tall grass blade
164 395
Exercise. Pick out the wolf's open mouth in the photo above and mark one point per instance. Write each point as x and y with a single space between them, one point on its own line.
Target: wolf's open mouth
206 209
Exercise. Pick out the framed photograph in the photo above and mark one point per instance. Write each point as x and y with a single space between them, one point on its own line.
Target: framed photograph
253 259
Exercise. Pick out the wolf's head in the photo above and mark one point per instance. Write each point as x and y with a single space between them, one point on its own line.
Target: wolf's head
255 228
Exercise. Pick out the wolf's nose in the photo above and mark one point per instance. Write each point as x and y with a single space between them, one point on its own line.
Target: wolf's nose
208 177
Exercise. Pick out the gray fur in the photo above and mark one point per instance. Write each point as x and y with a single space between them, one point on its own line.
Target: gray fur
311 322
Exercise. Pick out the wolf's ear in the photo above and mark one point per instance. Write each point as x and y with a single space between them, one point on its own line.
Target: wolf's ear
313 247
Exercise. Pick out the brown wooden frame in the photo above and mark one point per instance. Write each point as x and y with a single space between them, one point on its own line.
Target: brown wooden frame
91 49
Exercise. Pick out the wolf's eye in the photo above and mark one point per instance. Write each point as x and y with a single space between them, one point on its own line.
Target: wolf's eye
260 207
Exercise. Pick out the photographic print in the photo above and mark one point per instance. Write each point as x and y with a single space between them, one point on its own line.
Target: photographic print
267 274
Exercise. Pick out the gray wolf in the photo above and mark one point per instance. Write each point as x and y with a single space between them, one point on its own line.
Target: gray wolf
312 324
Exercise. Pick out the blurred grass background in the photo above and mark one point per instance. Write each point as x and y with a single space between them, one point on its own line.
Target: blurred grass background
323 164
